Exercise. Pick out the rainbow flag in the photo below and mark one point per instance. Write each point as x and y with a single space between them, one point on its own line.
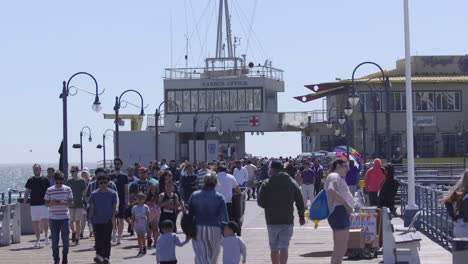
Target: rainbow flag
341 152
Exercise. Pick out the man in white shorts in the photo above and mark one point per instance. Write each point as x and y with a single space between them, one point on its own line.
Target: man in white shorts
36 188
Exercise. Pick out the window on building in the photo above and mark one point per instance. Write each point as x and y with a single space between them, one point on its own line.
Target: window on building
186 101
449 143
423 101
225 100
448 101
424 145
241 100
326 142
202 101
397 101
233 100
249 100
218 100
371 101
209 100
194 102
171 97
178 100
257 99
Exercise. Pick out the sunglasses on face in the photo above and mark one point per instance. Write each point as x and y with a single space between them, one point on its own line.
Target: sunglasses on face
58 182
103 182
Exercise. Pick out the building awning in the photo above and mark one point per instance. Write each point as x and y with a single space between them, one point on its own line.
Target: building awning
310 97
323 89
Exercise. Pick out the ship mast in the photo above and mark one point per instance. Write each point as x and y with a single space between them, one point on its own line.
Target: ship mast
219 35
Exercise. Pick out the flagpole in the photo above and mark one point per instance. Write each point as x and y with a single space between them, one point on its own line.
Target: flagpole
411 208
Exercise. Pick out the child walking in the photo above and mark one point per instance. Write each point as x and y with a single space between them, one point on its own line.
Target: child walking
154 214
165 247
140 220
233 246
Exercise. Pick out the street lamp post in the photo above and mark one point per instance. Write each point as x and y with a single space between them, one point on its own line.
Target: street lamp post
81 143
118 101
157 115
195 121
354 100
212 126
103 146
96 106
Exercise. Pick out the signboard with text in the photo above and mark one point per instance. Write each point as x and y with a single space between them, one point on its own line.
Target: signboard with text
368 222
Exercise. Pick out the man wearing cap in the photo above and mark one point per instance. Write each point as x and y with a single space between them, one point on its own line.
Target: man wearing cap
277 196
142 185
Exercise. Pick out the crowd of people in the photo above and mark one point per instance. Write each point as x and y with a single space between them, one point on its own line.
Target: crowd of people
205 196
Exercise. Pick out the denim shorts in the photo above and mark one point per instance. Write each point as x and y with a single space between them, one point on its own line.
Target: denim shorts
339 219
279 236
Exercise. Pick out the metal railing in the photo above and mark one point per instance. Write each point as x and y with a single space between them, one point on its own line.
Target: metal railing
434 169
434 219
302 119
222 72
10 197
150 120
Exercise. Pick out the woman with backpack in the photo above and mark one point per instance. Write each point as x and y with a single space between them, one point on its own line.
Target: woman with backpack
340 205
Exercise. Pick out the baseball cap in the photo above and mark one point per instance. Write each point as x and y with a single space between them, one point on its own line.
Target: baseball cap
143 170
232 225
85 169
276 164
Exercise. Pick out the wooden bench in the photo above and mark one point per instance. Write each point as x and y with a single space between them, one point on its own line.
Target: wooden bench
10 229
400 246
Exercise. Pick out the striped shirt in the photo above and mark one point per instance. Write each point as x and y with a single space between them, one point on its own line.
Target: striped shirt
64 194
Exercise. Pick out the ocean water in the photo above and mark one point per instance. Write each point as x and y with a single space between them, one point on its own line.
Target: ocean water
14 176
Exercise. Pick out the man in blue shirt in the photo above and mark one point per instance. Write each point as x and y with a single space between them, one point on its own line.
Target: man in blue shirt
103 205
318 170
307 187
352 177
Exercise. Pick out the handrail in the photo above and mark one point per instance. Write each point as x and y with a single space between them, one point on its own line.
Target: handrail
8 198
434 220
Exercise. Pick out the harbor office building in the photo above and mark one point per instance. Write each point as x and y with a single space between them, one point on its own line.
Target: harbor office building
440 110
226 101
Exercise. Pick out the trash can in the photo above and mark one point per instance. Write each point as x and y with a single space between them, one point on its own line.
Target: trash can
459 250
26 223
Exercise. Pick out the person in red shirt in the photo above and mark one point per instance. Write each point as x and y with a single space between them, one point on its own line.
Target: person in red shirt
373 181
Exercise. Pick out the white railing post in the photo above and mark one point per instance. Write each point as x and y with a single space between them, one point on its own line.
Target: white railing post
16 224
5 236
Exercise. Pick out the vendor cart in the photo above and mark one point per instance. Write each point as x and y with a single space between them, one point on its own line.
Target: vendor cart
365 233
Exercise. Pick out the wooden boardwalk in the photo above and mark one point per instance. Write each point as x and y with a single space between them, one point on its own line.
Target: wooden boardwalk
307 246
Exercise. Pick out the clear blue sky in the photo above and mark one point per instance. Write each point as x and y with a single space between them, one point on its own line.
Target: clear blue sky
126 45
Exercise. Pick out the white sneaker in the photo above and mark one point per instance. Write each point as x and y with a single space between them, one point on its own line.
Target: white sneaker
46 241
37 245
114 238
119 239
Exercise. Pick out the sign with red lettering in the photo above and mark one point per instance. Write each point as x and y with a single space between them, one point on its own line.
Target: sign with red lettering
368 222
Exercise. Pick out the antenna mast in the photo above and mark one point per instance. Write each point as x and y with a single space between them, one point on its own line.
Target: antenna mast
219 36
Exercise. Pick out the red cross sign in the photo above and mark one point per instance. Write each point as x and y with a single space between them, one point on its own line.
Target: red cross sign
254 121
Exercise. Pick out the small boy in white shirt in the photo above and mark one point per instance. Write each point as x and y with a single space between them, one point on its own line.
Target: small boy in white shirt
233 246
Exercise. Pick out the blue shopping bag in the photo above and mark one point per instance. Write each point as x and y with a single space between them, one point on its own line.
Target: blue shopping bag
319 208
